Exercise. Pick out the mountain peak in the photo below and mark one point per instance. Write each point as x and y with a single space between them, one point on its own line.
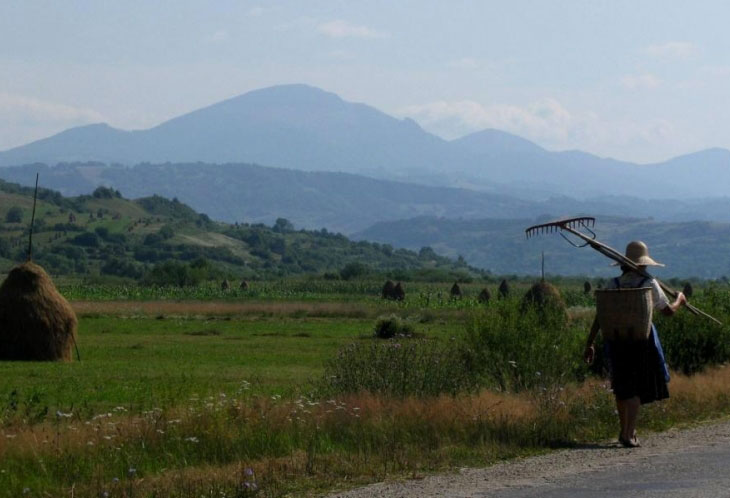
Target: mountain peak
491 138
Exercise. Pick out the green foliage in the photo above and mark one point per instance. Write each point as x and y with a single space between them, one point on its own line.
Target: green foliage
392 325
691 342
14 215
354 270
87 239
178 274
520 348
106 193
411 367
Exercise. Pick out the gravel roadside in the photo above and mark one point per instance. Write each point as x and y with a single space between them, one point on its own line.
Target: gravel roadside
546 470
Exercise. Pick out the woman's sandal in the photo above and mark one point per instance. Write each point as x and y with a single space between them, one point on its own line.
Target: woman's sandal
629 443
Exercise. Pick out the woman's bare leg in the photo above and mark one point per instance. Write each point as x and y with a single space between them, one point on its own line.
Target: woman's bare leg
632 414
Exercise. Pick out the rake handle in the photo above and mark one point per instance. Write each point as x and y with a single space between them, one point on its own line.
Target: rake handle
623 260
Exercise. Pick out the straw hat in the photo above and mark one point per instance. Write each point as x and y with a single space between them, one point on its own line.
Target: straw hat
638 252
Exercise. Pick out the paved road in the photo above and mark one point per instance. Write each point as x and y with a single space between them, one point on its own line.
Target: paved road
691 463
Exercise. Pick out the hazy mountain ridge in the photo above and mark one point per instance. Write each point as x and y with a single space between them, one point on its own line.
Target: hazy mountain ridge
340 202
688 249
305 128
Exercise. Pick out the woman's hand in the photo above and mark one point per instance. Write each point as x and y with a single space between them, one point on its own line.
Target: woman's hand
589 354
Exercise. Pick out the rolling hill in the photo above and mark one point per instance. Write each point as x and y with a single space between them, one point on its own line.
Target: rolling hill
106 234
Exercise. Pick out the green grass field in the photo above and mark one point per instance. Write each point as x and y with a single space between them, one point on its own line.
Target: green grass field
205 396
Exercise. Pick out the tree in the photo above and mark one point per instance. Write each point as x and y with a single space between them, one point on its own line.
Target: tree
282 225
14 215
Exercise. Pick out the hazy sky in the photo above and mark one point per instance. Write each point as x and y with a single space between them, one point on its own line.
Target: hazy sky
638 80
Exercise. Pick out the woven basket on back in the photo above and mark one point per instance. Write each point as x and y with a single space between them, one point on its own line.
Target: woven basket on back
624 314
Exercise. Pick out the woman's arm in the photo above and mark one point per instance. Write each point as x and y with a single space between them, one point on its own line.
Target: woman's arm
672 308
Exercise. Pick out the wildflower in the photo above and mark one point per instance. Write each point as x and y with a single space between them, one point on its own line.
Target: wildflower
513 363
26 491
131 472
115 480
248 471
192 439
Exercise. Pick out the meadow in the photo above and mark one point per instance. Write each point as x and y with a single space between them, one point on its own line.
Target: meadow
202 392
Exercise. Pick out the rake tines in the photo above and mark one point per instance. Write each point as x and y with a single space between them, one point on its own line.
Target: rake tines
558 225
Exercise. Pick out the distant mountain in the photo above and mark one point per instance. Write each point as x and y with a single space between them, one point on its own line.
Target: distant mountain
688 249
305 128
340 202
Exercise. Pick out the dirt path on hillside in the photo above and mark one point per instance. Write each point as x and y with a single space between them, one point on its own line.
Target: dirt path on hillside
672 463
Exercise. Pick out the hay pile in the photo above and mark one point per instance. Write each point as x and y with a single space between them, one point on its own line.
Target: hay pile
399 292
503 290
225 285
687 290
543 295
484 296
36 322
244 285
455 291
586 287
388 288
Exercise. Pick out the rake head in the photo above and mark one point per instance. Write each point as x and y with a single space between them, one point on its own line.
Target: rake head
558 225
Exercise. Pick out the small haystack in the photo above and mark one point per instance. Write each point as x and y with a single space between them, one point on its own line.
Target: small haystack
687 290
225 285
543 295
455 291
484 296
503 291
388 290
587 287
399 293
36 322
244 285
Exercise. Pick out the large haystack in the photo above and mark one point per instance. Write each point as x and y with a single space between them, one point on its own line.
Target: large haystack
225 285
388 290
36 322
455 291
244 285
543 295
399 292
503 291
484 296
586 287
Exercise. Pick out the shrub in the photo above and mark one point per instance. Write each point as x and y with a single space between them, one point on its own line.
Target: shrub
519 349
14 215
691 342
390 326
409 368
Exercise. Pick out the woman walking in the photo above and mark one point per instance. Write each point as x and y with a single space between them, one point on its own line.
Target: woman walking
638 371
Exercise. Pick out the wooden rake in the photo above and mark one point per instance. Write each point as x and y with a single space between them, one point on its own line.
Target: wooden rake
585 223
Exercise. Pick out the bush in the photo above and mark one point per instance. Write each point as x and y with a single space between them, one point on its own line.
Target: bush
14 215
691 342
354 270
409 368
390 326
519 349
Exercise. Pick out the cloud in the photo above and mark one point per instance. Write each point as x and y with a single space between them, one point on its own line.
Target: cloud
672 50
343 29
25 118
547 122
644 81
